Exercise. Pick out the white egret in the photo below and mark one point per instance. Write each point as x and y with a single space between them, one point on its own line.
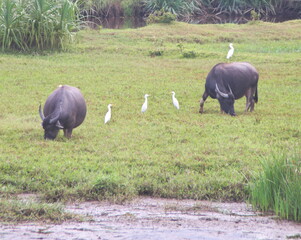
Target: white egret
175 101
108 114
144 106
231 51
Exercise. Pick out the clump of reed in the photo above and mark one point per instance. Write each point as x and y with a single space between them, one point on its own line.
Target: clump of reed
241 7
189 8
37 24
277 188
111 8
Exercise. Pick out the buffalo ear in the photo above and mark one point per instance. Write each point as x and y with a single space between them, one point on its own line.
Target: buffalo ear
59 125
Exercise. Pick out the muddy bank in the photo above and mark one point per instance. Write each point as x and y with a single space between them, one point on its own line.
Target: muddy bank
151 218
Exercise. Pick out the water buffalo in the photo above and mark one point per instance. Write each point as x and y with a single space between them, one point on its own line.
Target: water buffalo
230 81
65 109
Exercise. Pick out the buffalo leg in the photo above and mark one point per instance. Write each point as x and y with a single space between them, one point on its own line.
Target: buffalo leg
250 100
68 132
202 101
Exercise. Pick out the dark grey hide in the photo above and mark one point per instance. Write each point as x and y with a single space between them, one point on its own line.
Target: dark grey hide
230 81
64 109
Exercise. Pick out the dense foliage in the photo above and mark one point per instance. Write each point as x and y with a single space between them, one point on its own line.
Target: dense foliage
161 17
37 24
189 8
177 7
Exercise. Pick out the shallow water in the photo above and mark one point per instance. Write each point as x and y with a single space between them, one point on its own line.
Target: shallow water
153 219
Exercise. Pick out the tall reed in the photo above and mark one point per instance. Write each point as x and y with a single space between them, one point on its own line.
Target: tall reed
37 24
11 25
277 188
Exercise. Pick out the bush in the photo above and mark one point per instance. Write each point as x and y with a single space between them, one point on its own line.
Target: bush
176 7
161 17
37 24
255 16
278 188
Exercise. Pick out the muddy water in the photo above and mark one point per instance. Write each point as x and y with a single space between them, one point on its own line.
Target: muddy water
159 219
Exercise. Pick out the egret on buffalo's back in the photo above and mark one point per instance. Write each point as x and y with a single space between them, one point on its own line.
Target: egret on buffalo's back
108 114
231 51
144 106
175 101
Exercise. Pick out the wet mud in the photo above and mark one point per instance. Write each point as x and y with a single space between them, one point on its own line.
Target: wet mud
159 219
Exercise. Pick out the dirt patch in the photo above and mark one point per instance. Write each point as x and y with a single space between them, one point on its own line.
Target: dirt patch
152 218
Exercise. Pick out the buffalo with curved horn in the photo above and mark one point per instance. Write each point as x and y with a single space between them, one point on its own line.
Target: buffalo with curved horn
64 109
230 81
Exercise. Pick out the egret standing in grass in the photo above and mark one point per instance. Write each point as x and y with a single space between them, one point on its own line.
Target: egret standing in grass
144 106
231 51
175 101
108 114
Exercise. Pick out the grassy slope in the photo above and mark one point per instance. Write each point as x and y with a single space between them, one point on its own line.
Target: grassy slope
164 152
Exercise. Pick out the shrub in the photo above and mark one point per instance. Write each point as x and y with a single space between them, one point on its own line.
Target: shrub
161 17
278 188
255 16
176 7
37 24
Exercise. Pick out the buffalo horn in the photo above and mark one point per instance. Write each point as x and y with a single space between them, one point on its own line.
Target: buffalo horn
54 119
41 113
59 125
221 93
230 89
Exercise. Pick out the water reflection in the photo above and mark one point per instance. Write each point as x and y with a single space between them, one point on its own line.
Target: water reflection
117 22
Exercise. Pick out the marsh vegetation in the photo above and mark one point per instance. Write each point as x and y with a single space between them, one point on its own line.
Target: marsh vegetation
37 24
189 9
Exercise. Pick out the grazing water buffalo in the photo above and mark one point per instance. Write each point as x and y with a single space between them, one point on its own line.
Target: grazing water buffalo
230 81
65 109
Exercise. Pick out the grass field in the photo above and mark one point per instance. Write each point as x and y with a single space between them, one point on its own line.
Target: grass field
164 152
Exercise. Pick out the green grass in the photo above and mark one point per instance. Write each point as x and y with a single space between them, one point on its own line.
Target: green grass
18 211
164 152
277 187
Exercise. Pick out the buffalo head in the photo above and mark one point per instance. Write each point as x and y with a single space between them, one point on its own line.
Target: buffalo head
51 124
226 100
